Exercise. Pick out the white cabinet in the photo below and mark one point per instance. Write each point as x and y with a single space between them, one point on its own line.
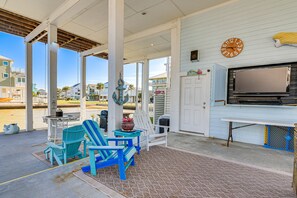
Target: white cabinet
218 85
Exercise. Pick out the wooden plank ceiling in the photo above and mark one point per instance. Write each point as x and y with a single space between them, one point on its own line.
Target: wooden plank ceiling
21 26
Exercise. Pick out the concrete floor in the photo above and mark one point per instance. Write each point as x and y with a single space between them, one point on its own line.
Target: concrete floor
23 175
16 154
57 182
248 154
17 164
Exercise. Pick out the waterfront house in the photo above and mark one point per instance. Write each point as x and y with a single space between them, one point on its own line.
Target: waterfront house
92 92
12 81
75 91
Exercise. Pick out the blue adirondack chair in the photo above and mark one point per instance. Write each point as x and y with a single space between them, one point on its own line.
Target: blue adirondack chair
71 140
123 156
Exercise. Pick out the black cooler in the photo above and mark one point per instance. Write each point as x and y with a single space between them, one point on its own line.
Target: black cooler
164 122
104 119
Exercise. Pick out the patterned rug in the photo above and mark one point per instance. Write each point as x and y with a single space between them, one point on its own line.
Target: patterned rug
164 172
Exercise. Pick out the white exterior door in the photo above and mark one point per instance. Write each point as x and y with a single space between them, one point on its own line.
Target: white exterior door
195 100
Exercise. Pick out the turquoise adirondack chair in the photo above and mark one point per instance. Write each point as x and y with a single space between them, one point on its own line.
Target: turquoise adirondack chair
123 156
71 140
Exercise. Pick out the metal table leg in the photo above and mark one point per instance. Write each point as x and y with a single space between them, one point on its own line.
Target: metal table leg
230 134
138 145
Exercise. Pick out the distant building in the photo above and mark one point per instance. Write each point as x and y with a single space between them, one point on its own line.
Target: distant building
161 93
41 93
12 82
92 92
131 93
159 82
75 91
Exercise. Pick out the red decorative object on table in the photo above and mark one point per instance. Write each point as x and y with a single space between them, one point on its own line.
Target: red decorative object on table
127 124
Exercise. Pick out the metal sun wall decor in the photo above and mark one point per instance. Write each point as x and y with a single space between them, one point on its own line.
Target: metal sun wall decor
121 99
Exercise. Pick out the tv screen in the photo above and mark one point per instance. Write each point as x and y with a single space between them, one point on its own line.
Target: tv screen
269 80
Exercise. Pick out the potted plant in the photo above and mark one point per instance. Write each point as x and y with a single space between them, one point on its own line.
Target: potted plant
127 124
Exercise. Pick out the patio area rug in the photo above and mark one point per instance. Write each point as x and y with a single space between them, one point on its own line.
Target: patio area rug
164 172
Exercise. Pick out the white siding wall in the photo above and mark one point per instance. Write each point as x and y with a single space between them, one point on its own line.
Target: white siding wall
255 22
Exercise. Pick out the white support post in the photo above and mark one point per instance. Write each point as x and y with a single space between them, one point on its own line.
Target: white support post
52 49
115 60
175 74
136 91
145 86
168 67
82 88
29 83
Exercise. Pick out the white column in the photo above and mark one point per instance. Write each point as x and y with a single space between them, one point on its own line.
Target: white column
83 94
145 86
29 83
175 75
136 89
168 73
115 60
52 49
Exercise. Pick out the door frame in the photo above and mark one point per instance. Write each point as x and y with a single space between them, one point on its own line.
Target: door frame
207 74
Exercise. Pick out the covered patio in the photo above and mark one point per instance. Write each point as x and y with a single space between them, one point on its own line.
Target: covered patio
192 33
24 174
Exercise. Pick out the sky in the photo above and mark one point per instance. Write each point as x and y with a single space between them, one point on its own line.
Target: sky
13 47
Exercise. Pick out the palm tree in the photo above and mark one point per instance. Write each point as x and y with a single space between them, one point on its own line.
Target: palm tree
100 87
65 89
131 87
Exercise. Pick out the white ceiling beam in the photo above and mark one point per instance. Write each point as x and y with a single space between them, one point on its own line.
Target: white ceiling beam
75 11
53 16
40 37
42 26
151 31
148 32
95 50
61 10
149 56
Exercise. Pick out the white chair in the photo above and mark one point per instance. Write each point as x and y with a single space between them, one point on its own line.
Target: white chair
143 122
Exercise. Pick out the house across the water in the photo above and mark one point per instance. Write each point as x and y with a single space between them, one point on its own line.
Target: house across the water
12 81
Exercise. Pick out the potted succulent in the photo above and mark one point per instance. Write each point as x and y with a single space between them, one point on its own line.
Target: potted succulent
127 124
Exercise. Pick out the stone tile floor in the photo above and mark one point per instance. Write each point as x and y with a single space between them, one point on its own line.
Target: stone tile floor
164 172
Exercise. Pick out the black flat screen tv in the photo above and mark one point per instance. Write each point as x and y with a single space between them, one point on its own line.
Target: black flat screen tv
262 81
